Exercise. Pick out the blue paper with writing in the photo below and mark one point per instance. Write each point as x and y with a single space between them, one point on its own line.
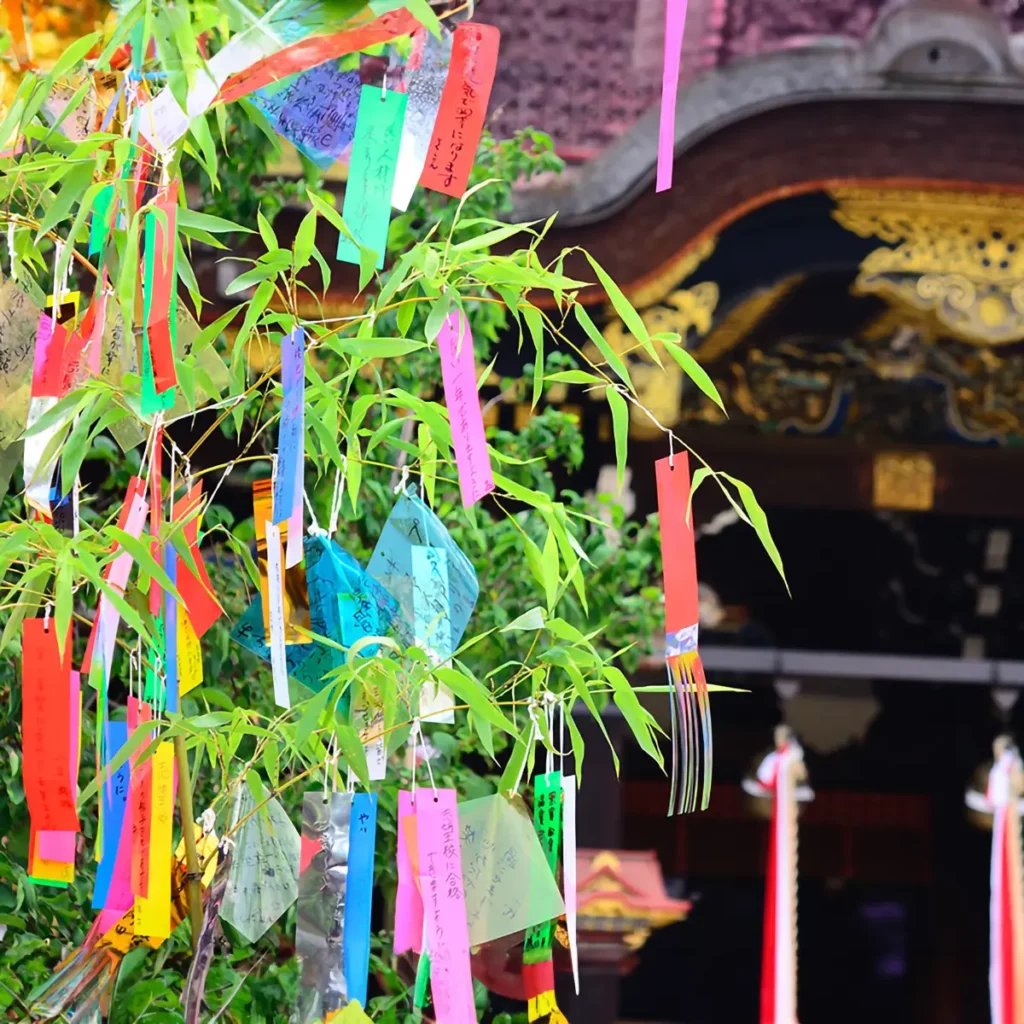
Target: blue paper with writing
171 630
412 524
345 604
115 798
359 894
291 432
371 173
314 110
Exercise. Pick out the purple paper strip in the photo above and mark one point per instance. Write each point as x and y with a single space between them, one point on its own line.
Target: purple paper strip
292 428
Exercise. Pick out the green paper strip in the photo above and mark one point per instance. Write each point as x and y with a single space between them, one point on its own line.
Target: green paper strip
419 994
151 402
371 173
547 820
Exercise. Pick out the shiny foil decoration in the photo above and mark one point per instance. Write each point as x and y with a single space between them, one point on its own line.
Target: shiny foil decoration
195 983
426 73
320 925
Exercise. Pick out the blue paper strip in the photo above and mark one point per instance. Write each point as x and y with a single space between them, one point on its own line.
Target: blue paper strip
171 630
290 435
359 894
115 799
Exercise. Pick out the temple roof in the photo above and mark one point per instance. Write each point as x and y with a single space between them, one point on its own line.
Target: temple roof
586 71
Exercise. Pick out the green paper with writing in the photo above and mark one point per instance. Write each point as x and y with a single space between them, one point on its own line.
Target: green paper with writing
371 173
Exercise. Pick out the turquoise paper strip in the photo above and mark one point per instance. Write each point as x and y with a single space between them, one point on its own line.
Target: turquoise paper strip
371 173
359 894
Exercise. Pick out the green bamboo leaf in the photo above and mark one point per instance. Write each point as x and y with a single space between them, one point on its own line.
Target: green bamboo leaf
629 704
489 238
305 241
352 748
583 692
73 187
193 219
71 56
472 692
438 314
578 746
695 372
759 521
574 377
610 355
144 559
620 425
251 277
535 323
63 598
140 736
529 620
549 566
260 300
514 768
624 308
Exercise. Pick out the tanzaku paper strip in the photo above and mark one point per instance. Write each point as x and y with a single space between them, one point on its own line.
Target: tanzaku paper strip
675 23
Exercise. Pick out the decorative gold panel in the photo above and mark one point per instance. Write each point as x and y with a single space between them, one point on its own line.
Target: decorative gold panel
958 255
904 481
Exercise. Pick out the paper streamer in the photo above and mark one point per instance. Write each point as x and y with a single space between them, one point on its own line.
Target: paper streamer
115 801
359 894
427 71
291 433
19 328
433 626
460 119
408 902
153 911
458 370
46 727
140 802
412 523
315 111
275 578
196 590
320 921
162 122
190 655
508 884
440 868
59 846
675 22
159 297
315 50
691 708
264 878
294 595
371 174
569 871
171 631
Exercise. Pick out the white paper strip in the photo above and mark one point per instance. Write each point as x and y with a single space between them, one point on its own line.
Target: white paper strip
162 122
275 589
37 476
569 870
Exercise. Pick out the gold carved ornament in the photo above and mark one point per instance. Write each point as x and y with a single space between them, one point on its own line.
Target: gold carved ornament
904 481
957 255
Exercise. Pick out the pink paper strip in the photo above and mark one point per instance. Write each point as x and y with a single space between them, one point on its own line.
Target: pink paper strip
458 369
408 902
675 22
451 983
60 846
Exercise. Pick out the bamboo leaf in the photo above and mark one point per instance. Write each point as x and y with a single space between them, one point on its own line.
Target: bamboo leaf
624 308
620 425
695 372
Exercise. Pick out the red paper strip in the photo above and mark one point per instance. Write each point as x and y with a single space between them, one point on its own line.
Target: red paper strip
460 119
46 727
140 801
316 50
19 39
163 284
196 591
678 552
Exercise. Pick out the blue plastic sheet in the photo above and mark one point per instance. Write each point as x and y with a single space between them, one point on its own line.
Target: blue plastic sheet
405 574
359 894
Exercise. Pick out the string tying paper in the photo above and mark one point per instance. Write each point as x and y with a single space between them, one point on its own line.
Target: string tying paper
691 708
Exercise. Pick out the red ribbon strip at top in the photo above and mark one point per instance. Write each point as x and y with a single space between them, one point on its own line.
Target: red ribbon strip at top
678 552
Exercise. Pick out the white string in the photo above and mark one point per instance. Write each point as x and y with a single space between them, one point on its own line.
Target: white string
561 737
227 469
46 617
531 710
314 529
58 248
337 496
671 452
403 481
549 721
10 245
418 730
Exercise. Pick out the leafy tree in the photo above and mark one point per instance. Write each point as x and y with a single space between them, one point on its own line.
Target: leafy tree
562 603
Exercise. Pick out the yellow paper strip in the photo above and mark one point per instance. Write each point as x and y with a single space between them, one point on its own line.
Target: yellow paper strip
153 912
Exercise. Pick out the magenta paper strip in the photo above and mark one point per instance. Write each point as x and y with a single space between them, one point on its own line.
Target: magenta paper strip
408 902
675 22
458 368
444 903
60 846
